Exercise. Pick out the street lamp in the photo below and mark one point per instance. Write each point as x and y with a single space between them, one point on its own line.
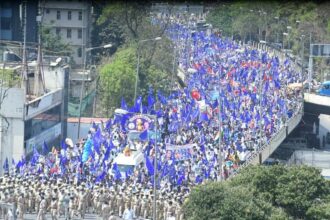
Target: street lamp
138 62
302 37
289 29
251 23
278 19
104 46
285 34
83 82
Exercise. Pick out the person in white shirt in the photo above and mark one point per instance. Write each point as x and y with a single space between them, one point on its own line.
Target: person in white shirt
128 213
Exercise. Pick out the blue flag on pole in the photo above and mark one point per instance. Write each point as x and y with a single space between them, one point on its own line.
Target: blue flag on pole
123 104
44 148
6 165
162 98
151 100
117 172
63 145
97 139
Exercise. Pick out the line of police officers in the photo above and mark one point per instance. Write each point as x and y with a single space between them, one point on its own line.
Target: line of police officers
70 200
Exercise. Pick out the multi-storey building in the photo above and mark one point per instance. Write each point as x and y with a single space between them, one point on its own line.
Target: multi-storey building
72 21
11 20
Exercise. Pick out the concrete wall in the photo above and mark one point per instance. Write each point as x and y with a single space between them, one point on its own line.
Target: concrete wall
319 159
324 128
43 103
12 126
72 130
317 99
54 77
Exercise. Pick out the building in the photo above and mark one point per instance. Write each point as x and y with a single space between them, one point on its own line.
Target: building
72 21
27 120
11 28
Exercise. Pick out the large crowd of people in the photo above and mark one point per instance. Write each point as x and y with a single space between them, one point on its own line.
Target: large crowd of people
234 101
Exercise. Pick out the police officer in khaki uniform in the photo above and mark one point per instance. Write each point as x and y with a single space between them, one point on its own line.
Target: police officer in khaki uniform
42 209
20 206
53 208
82 202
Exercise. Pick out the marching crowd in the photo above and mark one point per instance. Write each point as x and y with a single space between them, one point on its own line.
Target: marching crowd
235 100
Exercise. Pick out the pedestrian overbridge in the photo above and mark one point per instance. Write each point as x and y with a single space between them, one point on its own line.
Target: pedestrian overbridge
316 104
259 156
266 150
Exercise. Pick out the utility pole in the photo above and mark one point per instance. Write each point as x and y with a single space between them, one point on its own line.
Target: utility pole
310 64
38 77
24 82
220 128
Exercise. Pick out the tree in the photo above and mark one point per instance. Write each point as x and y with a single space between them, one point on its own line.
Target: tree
131 27
262 179
52 44
223 201
263 192
319 211
117 79
298 189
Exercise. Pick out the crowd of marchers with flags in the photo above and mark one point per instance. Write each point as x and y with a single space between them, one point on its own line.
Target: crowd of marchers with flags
234 101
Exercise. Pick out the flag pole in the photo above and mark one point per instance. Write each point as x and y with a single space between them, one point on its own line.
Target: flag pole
220 122
155 173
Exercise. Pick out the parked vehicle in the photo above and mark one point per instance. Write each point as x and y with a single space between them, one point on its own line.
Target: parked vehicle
325 89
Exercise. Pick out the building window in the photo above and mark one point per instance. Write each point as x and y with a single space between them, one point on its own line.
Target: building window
5 23
68 33
58 15
69 15
58 31
79 52
80 16
79 33
47 10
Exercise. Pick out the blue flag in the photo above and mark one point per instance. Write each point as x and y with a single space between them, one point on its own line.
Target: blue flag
63 145
6 165
44 148
97 139
123 104
162 98
144 135
117 172
204 117
151 100
138 105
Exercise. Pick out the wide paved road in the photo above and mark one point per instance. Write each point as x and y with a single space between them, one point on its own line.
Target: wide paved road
87 217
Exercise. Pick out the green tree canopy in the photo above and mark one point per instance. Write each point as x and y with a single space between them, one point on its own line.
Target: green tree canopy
263 192
117 79
223 201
